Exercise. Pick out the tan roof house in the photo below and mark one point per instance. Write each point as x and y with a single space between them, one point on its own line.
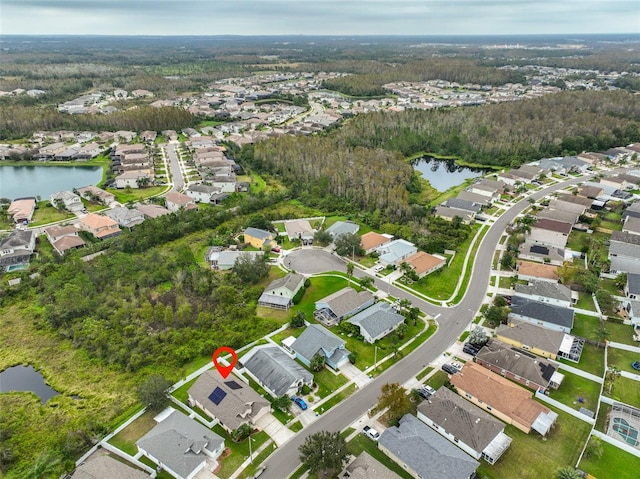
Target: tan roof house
372 240
22 209
93 193
99 226
502 398
532 271
425 263
106 467
176 201
63 238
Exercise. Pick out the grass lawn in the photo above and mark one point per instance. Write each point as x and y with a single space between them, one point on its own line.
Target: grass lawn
45 213
181 393
585 326
341 396
320 287
437 380
602 420
505 282
424 373
126 439
327 382
622 359
585 301
574 387
620 333
532 457
257 460
625 390
239 451
135 194
296 426
614 464
361 443
277 338
591 361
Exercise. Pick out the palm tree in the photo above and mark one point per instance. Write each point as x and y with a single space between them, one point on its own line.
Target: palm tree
567 472
349 272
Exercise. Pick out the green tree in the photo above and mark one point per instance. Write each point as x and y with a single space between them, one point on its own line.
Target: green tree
153 392
567 472
143 181
282 403
605 300
324 451
602 334
621 281
413 314
349 272
259 221
366 282
298 319
322 238
594 448
401 330
496 315
348 245
251 269
242 432
478 336
317 362
394 398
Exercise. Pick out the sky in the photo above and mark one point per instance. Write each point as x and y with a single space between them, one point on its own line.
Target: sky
318 17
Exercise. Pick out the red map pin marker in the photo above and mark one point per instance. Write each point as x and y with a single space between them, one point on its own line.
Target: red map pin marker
222 369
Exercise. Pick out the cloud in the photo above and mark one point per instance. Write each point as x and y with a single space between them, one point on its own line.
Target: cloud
256 17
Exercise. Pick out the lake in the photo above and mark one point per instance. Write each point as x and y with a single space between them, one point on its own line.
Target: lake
43 181
25 378
444 174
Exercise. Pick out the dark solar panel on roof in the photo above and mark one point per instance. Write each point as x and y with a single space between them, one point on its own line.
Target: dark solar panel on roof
233 385
217 396
539 249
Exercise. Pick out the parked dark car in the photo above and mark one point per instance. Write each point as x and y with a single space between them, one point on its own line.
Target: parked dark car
471 349
449 368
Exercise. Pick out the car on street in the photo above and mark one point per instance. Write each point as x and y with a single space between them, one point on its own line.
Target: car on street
449 368
300 402
371 433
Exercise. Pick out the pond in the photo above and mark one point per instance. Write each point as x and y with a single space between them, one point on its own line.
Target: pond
43 181
444 174
25 378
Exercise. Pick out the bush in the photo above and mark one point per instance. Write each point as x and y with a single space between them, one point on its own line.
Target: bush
305 389
307 283
241 433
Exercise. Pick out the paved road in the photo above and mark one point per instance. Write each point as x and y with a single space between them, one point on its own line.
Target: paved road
174 167
452 321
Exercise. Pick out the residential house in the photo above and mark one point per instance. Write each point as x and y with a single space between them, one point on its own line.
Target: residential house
541 254
202 193
545 292
632 307
93 193
371 241
377 321
424 263
16 250
631 225
280 292
226 259
519 366
448 213
562 216
66 200
591 191
534 271
396 252
99 226
504 399
103 466
316 339
573 203
68 154
468 207
632 210
592 158
176 201
180 445
553 234
632 288
275 371
468 195
121 151
342 227
468 427
259 238
63 238
544 342
230 401
343 303
22 209
366 466
487 191
424 453
127 218
148 136
620 182
624 253
124 135
132 179
151 210
542 314
88 151
50 151
298 229
497 185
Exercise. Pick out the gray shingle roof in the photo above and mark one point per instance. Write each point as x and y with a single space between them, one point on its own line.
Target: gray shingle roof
291 282
545 289
425 451
178 441
377 319
258 233
624 244
315 338
274 368
459 417
238 407
342 227
105 467
17 238
346 300
633 283
460 204
542 311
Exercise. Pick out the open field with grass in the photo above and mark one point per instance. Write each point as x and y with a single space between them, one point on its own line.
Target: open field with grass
591 361
126 439
614 464
327 382
136 194
45 213
620 333
577 392
625 390
533 457
622 359
585 301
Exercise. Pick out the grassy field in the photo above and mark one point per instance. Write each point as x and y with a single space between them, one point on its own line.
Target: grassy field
320 287
437 380
585 301
614 464
126 439
103 394
622 359
341 396
136 194
424 373
591 361
45 213
603 417
575 388
257 460
625 390
239 451
620 333
585 326
327 382
533 457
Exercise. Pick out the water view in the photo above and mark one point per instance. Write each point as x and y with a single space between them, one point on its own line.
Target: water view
25 378
37 180
444 174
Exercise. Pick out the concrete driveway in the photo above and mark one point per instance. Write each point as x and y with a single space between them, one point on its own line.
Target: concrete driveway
275 429
312 261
